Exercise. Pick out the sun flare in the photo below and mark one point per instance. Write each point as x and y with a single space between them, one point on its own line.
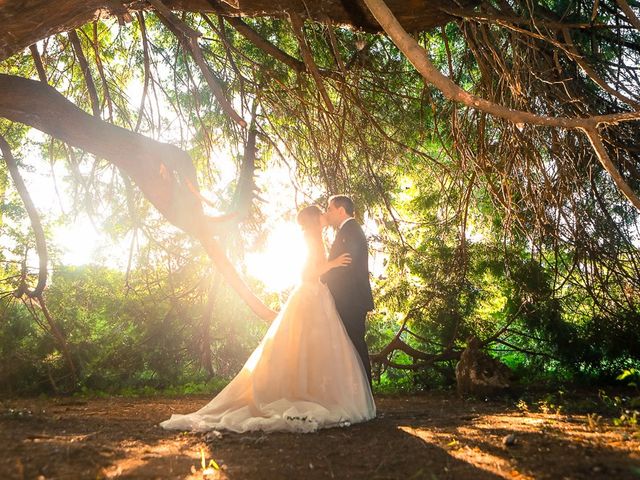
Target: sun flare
279 264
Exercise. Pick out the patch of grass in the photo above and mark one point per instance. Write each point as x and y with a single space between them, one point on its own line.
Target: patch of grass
191 388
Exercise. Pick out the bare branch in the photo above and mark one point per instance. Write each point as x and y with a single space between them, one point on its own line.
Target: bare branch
103 77
418 57
246 185
37 59
605 160
164 173
593 74
631 16
147 68
267 47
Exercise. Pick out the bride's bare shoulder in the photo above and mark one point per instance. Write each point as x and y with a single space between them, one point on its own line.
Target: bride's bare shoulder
315 244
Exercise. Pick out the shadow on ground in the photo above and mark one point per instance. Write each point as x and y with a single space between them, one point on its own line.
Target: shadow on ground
432 436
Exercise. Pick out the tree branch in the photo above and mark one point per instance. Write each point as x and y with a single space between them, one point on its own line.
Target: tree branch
188 38
86 72
18 19
631 16
267 47
147 68
246 187
37 60
605 160
418 57
592 73
34 217
103 77
163 172
297 24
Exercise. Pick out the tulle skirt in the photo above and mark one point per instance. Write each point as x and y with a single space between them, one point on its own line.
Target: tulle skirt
304 375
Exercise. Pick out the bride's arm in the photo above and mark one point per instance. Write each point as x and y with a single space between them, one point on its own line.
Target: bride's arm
323 265
318 264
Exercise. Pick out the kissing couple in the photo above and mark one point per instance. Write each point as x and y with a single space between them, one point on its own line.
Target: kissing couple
311 370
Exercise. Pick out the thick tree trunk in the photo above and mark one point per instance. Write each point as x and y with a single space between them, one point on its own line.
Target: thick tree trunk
24 23
159 169
164 173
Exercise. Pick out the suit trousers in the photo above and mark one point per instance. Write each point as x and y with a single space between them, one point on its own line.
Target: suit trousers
354 323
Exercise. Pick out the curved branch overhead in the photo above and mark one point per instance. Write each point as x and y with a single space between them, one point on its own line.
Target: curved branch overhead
24 23
420 60
162 171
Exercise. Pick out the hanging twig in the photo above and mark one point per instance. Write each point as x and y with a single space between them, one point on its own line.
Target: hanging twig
103 77
605 160
298 30
147 69
246 186
86 72
334 47
188 38
593 74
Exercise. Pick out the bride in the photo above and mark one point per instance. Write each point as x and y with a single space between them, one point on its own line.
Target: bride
305 374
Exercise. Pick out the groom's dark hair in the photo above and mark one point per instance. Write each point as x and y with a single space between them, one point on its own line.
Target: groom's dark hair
344 202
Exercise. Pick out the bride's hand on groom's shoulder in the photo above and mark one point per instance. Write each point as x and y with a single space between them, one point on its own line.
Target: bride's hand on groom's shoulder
341 261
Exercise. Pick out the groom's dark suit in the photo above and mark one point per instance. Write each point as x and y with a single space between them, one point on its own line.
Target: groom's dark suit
350 286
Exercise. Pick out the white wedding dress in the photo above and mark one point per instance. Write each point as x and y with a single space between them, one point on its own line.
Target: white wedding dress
304 375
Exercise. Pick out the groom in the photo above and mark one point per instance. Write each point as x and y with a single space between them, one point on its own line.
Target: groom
349 285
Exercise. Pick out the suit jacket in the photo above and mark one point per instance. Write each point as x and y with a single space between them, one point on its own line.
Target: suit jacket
350 285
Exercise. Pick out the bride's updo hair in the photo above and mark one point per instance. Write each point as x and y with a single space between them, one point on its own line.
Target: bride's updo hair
309 217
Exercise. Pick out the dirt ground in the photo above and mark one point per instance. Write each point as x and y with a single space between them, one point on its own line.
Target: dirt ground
431 436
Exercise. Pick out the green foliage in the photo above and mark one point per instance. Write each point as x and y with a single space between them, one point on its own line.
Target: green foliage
474 244
140 340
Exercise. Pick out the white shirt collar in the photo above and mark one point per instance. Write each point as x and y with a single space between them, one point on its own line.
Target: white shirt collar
344 221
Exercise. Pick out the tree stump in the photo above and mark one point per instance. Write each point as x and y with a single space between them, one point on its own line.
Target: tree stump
477 373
